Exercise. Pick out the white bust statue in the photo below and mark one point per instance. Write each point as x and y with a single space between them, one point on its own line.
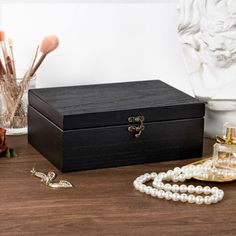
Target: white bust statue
207 32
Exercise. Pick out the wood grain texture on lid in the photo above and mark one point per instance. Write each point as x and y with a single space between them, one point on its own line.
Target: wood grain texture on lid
111 104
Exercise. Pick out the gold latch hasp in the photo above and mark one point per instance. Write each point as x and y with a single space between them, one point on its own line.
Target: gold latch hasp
138 128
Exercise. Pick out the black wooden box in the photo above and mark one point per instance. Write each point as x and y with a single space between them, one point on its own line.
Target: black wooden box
109 125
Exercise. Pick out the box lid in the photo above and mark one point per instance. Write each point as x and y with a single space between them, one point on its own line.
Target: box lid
111 104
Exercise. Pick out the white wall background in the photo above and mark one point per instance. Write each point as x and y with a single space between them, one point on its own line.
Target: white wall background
100 41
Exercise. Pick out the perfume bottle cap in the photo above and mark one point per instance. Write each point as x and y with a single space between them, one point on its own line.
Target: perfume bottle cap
230 132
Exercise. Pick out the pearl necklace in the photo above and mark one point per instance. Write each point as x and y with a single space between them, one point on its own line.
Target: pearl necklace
179 192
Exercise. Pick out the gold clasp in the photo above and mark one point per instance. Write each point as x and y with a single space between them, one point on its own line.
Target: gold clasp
138 128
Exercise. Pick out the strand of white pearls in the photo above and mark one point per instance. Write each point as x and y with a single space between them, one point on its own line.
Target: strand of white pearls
227 161
208 168
176 192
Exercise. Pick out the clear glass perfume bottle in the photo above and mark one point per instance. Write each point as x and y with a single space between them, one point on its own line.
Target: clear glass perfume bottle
224 154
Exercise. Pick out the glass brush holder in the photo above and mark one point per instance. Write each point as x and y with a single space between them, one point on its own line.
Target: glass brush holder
13 114
224 154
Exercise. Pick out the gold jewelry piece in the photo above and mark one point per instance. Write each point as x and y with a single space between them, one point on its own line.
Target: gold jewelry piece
48 178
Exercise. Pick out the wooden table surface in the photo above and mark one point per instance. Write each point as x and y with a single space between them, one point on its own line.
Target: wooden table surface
103 202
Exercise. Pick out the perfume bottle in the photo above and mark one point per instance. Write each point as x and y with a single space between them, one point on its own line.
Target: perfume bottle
224 154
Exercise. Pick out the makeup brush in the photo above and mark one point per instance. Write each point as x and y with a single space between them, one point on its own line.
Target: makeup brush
3 45
4 51
48 44
2 40
10 44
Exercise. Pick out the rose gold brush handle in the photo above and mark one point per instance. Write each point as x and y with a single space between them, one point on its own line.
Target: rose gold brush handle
4 50
5 57
8 62
2 69
10 43
9 65
38 64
